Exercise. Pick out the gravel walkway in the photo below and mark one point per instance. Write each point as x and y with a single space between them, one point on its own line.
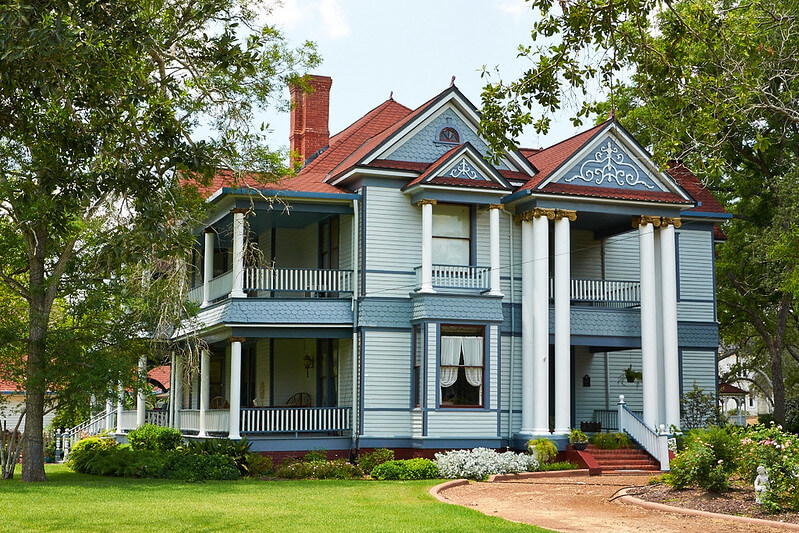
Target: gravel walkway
583 504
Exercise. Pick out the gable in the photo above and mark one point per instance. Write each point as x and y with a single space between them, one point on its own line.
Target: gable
609 163
463 168
423 144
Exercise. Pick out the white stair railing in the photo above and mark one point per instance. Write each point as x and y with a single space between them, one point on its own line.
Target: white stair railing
88 428
655 443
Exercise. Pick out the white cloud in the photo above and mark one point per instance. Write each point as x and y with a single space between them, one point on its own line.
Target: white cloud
333 19
515 8
287 15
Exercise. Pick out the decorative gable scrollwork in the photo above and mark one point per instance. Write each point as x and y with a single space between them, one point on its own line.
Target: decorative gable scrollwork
464 170
609 166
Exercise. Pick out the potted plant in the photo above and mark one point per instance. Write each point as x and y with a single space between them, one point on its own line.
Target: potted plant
630 375
578 439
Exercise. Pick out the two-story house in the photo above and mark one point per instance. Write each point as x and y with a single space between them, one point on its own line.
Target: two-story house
406 292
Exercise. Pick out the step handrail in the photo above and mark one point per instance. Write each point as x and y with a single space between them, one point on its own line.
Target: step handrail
655 443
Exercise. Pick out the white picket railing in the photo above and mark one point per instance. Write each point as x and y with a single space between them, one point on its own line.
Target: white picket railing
96 424
605 292
458 277
295 419
656 444
216 420
310 280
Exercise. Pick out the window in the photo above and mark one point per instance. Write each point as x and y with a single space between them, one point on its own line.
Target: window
449 135
452 241
461 367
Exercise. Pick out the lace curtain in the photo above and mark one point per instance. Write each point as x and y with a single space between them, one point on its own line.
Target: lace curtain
451 349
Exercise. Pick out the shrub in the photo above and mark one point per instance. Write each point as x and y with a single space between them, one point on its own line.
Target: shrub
544 450
238 450
480 463
406 469
85 450
708 460
699 409
368 461
258 465
575 435
611 441
338 469
778 451
155 438
562 465
315 456
194 467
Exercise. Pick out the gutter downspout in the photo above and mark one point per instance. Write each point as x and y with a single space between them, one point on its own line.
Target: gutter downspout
512 336
355 350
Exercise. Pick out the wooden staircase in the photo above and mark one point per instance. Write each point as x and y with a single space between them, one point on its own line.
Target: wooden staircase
623 460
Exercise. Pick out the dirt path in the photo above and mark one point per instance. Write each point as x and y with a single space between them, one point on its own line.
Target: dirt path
583 504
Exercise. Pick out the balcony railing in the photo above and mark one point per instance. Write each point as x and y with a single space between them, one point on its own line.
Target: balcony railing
603 292
474 278
264 282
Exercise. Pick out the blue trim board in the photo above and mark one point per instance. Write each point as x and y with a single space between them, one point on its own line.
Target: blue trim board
705 214
363 242
283 194
381 328
438 365
713 278
411 403
424 394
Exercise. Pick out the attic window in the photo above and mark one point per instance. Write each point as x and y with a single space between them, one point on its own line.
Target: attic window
449 135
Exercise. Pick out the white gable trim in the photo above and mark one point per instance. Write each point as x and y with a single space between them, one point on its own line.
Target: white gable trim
464 110
467 151
632 149
381 172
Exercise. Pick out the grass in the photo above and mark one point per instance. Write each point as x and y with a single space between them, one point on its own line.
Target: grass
76 502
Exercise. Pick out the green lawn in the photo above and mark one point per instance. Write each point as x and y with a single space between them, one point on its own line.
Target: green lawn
75 502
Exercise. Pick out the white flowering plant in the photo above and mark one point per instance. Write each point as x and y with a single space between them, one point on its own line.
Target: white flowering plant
480 463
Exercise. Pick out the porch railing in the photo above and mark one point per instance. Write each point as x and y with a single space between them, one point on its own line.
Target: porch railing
216 420
297 280
458 277
655 443
295 419
602 292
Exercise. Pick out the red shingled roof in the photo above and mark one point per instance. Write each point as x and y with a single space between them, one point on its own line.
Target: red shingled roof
706 202
161 374
434 166
726 388
6 385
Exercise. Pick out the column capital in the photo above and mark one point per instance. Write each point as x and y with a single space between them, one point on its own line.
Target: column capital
646 219
566 213
494 206
237 210
237 339
426 201
535 212
671 221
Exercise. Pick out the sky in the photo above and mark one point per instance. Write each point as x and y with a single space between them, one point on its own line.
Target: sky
411 47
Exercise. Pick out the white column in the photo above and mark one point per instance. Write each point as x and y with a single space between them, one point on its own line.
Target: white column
140 399
563 320
208 265
120 405
427 245
671 359
109 407
235 387
493 238
541 220
178 371
238 254
527 324
649 351
205 388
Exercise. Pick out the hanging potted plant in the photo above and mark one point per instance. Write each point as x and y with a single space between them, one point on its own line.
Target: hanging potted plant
578 439
630 375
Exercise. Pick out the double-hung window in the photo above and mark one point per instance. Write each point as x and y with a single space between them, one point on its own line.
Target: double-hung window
452 235
461 366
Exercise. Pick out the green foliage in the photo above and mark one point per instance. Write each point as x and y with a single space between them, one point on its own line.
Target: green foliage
69 416
155 438
338 469
84 449
368 461
543 449
778 451
315 455
709 459
238 450
259 465
193 467
611 441
559 465
405 469
699 409
575 435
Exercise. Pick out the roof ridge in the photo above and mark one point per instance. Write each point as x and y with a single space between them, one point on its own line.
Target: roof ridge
567 139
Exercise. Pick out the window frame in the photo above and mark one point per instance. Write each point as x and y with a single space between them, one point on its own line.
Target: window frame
482 389
469 240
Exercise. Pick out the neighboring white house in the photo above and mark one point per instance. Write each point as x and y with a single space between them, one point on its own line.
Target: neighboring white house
416 295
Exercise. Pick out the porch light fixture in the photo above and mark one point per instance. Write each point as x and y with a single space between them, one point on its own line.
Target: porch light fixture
586 380
308 362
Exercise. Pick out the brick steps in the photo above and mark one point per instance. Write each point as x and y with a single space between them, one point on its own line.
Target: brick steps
624 460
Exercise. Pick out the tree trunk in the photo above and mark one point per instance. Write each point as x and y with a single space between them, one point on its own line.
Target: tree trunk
35 383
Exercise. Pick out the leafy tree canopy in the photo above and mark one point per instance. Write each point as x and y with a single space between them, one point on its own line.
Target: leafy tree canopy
100 107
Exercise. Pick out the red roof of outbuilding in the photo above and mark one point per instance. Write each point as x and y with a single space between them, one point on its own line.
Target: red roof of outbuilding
726 388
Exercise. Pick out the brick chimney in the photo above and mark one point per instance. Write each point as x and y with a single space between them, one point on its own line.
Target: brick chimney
309 117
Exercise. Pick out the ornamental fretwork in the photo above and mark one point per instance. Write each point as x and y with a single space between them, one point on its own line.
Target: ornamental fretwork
612 169
464 170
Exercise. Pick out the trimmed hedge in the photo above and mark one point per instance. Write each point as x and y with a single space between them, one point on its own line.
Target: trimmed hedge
406 469
155 438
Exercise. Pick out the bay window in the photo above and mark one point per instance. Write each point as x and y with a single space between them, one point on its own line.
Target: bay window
461 366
